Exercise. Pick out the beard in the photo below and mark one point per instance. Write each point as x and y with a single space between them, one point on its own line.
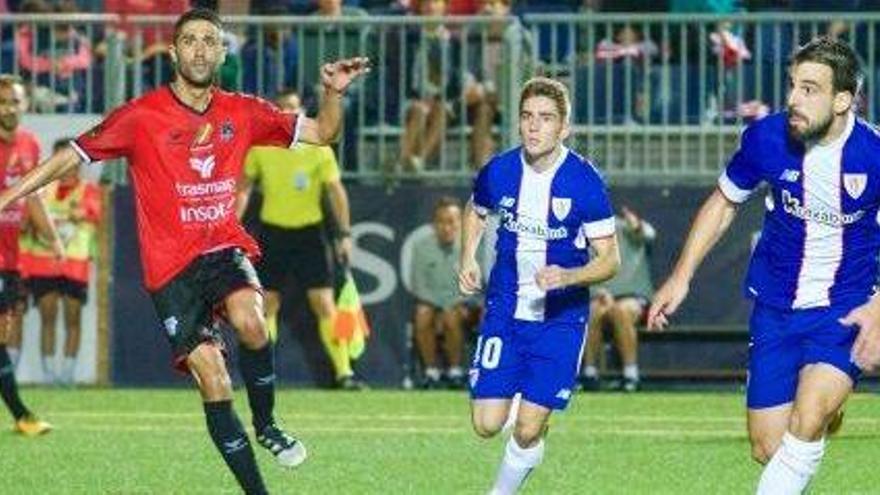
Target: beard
200 83
813 132
8 124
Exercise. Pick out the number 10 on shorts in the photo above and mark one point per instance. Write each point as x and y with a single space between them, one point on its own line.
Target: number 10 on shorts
488 353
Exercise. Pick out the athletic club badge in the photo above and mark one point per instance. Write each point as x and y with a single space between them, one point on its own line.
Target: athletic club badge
855 184
560 207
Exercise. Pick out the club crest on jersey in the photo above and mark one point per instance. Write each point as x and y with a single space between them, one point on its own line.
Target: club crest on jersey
204 166
855 184
560 207
171 326
226 131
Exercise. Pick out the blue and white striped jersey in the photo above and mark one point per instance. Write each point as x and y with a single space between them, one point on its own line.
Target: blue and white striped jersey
544 218
820 239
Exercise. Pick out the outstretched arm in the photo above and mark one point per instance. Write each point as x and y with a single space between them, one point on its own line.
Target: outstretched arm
711 223
51 169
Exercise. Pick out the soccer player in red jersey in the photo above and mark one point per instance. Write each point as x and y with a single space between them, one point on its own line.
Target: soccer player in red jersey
19 153
185 144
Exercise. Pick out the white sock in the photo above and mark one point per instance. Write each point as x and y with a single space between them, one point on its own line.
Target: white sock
791 467
14 356
455 372
631 372
590 371
432 373
48 368
68 369
516 466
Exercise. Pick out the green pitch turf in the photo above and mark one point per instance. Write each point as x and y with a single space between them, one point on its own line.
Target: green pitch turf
154 442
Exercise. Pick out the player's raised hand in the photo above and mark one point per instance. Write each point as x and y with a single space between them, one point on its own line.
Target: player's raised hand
666 301
338 75
469 277
553 277
866 349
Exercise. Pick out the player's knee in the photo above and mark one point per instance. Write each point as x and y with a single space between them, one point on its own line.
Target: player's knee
484 430
808 423
251 329
528 434
207 364
763 449
486 427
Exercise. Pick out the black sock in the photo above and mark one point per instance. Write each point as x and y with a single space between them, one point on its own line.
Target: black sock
232 442
8 387
258 371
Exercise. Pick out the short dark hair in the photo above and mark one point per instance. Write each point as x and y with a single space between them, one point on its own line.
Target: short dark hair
197 14
445 202
838 56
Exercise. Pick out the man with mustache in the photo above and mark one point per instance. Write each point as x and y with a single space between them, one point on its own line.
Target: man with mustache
815 325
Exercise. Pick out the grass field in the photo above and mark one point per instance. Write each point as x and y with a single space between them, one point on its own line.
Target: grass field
154 442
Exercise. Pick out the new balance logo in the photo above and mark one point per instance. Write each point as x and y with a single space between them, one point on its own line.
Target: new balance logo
507 202
564 394
235 445
789 175
204 166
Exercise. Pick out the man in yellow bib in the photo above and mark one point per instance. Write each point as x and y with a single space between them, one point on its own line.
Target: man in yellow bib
292 232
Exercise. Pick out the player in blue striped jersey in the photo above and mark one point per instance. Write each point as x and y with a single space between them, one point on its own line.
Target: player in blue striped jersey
812 273
551 206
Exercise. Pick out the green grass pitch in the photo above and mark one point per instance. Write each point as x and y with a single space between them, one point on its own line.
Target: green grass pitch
154 442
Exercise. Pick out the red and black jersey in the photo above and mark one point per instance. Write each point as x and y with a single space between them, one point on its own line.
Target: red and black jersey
17 157
184 166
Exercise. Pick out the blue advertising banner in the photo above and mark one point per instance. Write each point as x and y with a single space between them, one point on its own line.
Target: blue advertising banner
385 223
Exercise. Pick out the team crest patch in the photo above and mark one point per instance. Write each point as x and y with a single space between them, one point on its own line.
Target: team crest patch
226 131
560 207
855 184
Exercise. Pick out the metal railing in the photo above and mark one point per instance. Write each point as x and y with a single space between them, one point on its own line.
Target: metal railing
656 97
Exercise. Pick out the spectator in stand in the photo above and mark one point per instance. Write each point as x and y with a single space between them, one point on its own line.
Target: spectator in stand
441 313
622 302
434 82
277 45
155 37
54 59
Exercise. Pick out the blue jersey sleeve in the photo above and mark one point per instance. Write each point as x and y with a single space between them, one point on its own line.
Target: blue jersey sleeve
483 197
743 172
598 220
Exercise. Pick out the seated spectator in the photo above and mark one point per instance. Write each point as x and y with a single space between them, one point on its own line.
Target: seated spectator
628 43
440 311
622 303
433 85
490 62
54 59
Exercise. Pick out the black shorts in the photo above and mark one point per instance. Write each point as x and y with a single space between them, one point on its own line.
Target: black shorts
301 255
10 287
189 305
40 286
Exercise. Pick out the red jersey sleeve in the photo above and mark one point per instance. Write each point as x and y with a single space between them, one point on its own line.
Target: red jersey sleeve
113 138
271 126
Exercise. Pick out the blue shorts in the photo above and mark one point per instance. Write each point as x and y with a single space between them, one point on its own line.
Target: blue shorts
537 359
781 342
